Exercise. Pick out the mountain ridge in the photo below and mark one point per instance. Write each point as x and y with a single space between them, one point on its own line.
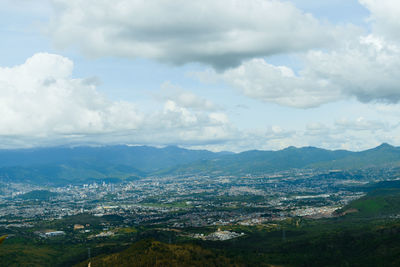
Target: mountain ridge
72 164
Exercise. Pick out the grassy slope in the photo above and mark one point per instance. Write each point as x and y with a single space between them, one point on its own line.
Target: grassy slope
380 202
154 253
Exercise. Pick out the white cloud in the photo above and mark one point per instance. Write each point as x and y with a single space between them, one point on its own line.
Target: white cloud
185 98
221 33
175 124
349 133
366 68
39 98
272 138
279 84
362 124
41 104
384 17
361 66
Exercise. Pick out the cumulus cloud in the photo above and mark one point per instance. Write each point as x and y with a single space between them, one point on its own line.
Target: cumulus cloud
42 104
185 98
184 125
39 97
271 138
221 33
366 68
351 133
361 66
362 124
384 17
279 84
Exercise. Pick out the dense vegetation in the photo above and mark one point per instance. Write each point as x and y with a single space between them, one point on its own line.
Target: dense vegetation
367 236
332 243
154 253
38 195
378 203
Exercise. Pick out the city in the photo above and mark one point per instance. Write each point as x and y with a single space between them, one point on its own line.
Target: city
191 201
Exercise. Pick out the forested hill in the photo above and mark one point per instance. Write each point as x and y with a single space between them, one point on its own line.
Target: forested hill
255 162
79 164
154 253
145 158
69 165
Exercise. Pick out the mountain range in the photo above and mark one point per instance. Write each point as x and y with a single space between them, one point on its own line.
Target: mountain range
81 164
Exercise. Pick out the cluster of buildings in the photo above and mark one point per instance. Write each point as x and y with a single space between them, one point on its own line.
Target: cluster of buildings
195 201
219 235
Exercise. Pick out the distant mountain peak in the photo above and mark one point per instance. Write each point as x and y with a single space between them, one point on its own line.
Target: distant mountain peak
173 147
304 148
384 146
290 148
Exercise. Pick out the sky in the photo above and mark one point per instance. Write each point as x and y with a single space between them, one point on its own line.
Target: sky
222 75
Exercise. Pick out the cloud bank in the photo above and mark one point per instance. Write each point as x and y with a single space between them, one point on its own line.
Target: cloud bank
236 38
366 68
41 103
219 33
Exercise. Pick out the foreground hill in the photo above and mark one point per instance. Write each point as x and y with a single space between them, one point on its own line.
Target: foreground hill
383 200
154 253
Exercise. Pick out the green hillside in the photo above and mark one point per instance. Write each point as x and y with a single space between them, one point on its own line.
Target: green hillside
381 202
38 195
154 253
